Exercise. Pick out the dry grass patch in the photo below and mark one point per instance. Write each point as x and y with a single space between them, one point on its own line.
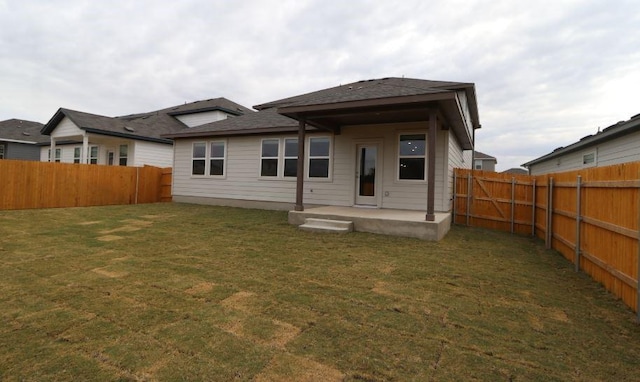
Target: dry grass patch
186 292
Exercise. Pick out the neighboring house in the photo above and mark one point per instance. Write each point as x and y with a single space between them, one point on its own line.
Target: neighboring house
516 171
615 144
132 140
484 162
20 139
389 143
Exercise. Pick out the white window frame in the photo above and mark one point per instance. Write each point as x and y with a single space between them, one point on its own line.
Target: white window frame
286 157
309 158
223 158
476 163
2 152
78 158
424 156
593 161
125 156
207 158
58 156
91 158
277 158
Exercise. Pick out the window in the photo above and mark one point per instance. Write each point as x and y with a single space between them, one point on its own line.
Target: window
208 158
93 154
124 153
269 157
58 155
589 159
478 164
199 160
319 154
216 161
411 157
290 157
1 151
77 154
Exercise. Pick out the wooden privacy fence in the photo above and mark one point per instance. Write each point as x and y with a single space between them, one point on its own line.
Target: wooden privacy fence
592 217
27 184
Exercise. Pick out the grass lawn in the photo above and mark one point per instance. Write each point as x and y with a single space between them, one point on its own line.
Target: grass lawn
184 292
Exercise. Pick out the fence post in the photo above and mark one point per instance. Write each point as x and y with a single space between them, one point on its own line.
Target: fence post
638 270
549 232
578 221
469 186
533 210
513 202
137 184
453 207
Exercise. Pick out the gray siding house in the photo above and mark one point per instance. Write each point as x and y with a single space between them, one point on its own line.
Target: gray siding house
20 139
388 143
131 140
484 162
615 144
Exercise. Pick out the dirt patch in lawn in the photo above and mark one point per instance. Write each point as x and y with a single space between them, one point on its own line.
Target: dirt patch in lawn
240 301
110 237
290 368
108 273
90 222
200 288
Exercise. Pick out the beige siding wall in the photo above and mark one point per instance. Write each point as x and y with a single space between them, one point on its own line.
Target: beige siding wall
242 181
149 153
198 119
457 158
66 128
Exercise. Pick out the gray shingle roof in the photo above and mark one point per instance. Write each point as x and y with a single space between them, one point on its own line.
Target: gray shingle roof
21 130
267 120
483 156
149 126
368 89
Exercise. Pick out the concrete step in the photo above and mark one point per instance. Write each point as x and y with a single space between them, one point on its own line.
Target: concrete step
326 225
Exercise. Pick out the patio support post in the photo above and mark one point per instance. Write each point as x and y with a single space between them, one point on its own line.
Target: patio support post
52 151
300 171
431 167
85 149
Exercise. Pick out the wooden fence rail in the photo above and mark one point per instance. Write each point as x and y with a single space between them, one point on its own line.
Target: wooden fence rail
27 184
592 217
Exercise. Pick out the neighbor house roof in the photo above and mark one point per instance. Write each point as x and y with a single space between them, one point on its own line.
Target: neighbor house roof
21 131
149 126
614 131
516 171
483 156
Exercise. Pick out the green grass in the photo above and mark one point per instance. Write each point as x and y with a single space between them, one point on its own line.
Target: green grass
183 292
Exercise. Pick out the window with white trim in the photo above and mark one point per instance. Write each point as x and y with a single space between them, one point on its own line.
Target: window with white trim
290 157
208 158
93 155
58 155
269 155
77 154
2 151
478 164
123 155
319 157
217 156
589 159
199 158
412 157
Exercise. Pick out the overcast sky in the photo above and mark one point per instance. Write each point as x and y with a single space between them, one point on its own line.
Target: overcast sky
546 72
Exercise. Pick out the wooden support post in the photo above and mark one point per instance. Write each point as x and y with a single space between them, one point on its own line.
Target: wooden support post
549 233
300 171
578 221
513 203
533 210
431 167
469 188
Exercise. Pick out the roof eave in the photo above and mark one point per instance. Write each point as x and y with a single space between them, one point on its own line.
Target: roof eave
124 135
229 133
